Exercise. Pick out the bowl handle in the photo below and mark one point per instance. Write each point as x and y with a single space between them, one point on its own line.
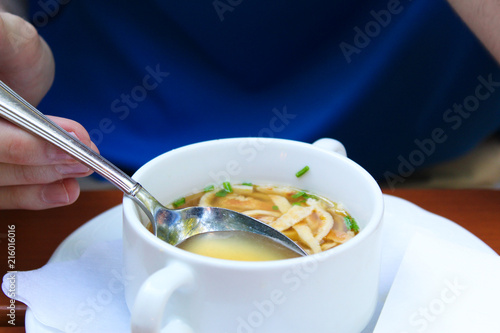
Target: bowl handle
149 306
331 145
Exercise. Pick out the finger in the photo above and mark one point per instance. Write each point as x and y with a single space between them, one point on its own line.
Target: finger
26 61
37 197
76 128
11 174
22 148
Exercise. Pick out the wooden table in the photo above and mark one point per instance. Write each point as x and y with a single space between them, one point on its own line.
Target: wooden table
38 233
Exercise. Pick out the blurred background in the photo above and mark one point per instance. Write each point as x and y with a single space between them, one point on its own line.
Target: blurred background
478 169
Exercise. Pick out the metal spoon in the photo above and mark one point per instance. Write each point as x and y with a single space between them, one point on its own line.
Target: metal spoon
172 226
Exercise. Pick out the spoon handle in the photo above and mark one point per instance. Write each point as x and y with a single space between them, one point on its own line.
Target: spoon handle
16 110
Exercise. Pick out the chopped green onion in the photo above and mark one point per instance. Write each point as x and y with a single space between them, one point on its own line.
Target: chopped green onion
298 203
351 223
275 208
221 193
179 202
305 195
311 196
226 190
298 194
247 184
302 172
227 187
208 188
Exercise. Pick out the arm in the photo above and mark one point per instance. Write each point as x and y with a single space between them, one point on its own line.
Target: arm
483 18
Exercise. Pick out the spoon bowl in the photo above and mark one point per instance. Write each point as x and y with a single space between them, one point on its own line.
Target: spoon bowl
172 226
176 225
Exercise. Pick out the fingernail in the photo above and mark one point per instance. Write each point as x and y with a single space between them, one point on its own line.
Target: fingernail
71 169
55 193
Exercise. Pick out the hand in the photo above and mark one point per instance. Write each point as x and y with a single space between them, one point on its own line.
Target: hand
34 174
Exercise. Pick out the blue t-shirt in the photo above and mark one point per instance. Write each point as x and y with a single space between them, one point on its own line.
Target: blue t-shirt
403 84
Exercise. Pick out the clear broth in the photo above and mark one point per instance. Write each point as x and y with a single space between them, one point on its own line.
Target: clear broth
237 245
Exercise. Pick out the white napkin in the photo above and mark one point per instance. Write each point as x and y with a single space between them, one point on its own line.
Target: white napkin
443 287
83 295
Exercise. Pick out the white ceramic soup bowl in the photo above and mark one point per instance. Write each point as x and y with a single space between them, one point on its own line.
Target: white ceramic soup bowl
172 290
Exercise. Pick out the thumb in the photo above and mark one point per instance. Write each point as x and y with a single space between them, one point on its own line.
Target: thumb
26 61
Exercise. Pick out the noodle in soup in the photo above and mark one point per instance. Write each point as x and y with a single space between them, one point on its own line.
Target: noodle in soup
313 222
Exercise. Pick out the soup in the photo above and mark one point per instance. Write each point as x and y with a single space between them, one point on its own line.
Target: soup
237 245
313 222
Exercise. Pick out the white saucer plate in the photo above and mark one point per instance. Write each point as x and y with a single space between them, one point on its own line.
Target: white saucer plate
402 220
